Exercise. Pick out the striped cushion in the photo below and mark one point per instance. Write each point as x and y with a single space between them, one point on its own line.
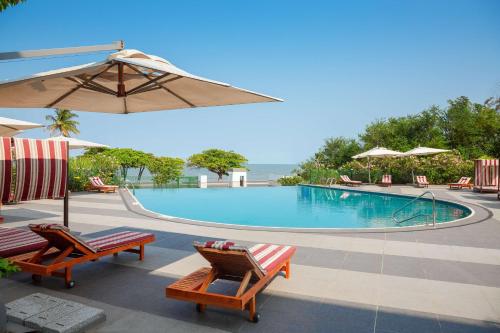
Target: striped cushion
265 256
15 241
96 181
422 179
345 178
269 256
117 239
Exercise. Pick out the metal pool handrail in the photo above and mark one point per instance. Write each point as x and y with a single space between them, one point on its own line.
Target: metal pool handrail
128 182
417 215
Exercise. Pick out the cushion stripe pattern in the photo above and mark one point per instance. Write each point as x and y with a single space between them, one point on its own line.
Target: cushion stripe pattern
15 241
269 256
5 169
117 239
41 169
422 180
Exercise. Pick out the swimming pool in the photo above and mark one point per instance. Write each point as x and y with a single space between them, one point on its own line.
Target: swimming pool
293 207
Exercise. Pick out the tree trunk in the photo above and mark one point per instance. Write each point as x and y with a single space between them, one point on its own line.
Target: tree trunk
139 175
220 176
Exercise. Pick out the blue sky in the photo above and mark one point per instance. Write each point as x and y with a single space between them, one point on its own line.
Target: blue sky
338 64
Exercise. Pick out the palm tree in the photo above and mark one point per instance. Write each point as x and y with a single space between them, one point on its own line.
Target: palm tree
62 123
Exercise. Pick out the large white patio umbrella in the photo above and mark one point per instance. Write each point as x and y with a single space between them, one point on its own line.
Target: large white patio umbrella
74 143
10 127
128 81
422 151
376 152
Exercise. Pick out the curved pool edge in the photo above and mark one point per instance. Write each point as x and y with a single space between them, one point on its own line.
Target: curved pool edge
134 205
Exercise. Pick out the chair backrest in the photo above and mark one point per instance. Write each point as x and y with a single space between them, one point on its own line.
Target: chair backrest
386 179
345 178
96 181
422 179
229 259
464 180
60 237
14 241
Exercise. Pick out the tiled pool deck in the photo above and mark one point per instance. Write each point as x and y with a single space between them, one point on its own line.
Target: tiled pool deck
445 280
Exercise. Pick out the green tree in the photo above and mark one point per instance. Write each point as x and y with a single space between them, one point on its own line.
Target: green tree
63 123
165 169
95 150
337 151
4 4
405 133
472 128
130 158
217 161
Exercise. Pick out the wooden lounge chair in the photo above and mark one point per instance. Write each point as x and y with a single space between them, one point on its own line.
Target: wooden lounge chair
63 250
347 181
463 182
422 181
386 181
96 184
254 267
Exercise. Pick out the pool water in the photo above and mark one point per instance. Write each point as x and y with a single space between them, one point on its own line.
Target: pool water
293 207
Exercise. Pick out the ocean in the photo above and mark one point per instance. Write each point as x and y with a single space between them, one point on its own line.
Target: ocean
256 172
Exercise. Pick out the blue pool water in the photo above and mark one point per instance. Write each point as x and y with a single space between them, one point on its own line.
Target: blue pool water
292 207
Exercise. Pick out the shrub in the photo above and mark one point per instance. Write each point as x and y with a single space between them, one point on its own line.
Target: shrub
83 167
290 180
6 268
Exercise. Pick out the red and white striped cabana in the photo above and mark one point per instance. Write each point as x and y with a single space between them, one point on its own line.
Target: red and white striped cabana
41 170
486 174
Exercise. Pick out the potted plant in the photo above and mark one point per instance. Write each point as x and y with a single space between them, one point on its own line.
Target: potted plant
6 268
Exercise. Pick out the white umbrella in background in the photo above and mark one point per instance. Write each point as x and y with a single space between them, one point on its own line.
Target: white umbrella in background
377 152
10 127
423 151
127 81
77 143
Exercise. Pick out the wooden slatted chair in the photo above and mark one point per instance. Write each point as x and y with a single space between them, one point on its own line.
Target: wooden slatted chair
253 267
463 182
64 250
96 184
422 181
347 181
386 181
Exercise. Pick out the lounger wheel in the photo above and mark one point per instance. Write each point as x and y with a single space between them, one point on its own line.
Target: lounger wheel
256 317
36 278
70 284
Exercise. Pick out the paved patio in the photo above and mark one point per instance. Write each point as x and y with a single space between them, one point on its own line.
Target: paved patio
445 280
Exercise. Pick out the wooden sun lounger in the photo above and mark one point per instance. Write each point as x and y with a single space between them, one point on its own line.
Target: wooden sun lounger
386 181
347 181
463 182
96 184
254 268
62 251
422 181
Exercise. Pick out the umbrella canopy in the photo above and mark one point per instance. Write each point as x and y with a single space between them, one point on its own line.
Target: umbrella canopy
10 127
126 82
421 151
77 143
376 152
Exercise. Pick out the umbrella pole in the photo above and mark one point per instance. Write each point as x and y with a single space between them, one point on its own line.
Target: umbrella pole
369 171
66 194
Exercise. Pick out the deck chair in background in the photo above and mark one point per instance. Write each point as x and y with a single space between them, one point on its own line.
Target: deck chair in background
64 250
253 267
422 181
96 184
386 181
463 182
347 181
